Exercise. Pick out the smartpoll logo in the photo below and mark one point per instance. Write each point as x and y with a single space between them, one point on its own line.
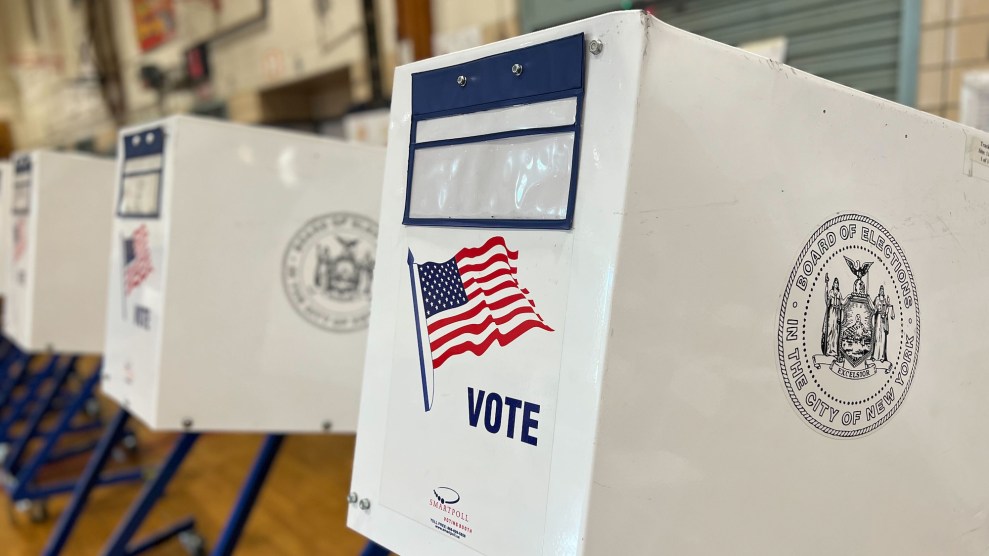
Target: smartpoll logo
451 521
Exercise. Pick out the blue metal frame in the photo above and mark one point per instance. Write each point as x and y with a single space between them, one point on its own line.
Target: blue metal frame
375 549
20 476
19 406
248 495
84 486
117 545
132 151
555 71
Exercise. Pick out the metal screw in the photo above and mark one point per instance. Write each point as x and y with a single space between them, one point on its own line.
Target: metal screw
517 69
187 423
352 498
595 46
327 425
462 81
364 504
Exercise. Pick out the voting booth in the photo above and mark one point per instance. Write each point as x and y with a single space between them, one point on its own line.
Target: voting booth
641 292
240 271
58 224
6 186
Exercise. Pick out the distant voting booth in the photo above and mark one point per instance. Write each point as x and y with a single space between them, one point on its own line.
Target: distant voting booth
240 273
58 223
6 186
641 292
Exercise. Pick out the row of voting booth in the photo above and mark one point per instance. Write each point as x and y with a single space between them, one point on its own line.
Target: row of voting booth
612 288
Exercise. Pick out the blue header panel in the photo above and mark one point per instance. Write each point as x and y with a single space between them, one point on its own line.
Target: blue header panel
22 164
545 68
144 143
141 174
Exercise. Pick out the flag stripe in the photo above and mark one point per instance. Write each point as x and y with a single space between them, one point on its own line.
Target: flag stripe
479 327
503 339
472 309
510 271
487 306
493 242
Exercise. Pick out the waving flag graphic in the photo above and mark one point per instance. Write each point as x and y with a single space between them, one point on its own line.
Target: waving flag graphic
467 304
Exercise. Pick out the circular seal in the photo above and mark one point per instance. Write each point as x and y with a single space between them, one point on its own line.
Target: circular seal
327 271
849 330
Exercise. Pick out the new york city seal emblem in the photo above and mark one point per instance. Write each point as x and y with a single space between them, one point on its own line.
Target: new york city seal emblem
327 271
849 330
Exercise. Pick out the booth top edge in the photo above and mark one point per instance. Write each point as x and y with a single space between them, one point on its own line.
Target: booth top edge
624 18
175 120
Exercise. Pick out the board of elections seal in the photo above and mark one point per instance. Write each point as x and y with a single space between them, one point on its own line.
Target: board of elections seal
327 270
849 329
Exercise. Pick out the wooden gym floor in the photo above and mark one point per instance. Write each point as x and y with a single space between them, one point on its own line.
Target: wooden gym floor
301 510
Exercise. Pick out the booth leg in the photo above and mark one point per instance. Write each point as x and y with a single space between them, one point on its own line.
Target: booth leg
34 420
85 485
23 404
152 491
25 476
375 549
248 495
13 380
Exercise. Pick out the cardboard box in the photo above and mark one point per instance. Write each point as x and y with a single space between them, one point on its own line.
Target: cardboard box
60 216
240 276
641 292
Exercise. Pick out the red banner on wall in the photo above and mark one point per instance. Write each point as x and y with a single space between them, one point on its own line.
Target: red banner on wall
154 21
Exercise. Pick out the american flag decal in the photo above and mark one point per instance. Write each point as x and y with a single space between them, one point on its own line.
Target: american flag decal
469 303
137 259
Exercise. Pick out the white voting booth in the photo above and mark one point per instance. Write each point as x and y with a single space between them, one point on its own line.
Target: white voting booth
641 292
240 276
6 186
58 224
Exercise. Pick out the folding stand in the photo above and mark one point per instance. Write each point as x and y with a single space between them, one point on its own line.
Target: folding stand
375 549
119 543
19 477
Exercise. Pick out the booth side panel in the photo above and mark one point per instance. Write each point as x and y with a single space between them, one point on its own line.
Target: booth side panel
73 225
6 187
445 472
21 257
738 162
294 361
138 267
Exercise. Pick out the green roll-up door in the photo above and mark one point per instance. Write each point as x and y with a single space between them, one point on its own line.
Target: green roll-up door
866 44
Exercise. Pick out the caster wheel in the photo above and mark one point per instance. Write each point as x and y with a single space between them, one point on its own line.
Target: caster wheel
193 543
36 510
92 407
129 442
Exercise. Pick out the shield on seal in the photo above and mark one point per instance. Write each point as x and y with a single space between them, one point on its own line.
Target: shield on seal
857 335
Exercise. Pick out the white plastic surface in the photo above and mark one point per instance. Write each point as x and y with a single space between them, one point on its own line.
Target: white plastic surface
6 188
58 261
526 177
253 316
673 427
525 116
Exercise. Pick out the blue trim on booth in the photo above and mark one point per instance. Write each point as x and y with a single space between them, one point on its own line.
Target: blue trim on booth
145 148
551 71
